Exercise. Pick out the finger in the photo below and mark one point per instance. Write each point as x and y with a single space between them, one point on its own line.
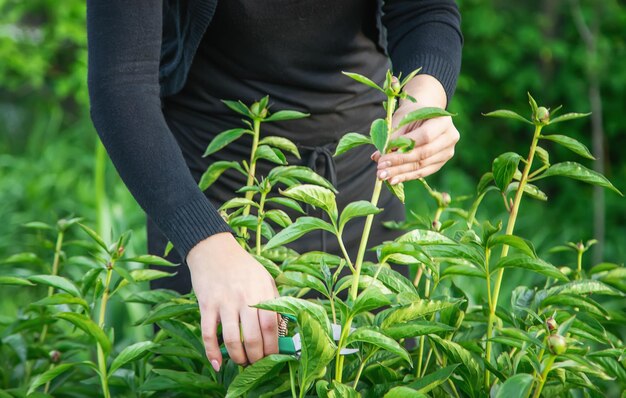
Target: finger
269 328
208 324
421 173
232 336
441 157
252 337
417 156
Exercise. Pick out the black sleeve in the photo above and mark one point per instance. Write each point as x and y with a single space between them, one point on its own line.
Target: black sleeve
426 34
124 45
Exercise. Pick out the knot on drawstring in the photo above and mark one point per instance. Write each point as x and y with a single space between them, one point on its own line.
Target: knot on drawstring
325 152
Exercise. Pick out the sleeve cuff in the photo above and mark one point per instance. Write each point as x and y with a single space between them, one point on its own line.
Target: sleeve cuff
192 223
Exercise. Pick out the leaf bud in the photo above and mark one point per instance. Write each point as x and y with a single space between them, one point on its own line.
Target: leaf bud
445 198
395 85
256 108
436 225
557 344
580 246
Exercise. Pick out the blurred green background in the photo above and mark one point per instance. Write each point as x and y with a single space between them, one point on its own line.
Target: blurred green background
563 52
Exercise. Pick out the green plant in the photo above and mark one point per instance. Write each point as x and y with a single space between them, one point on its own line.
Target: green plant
413 338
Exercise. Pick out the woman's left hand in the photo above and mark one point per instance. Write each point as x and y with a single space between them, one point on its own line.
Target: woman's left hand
434 138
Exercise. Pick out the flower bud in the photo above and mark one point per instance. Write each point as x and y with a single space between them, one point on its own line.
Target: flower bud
263 113
580 246
55 356
551 324
557 344
120 251
543 115
395 84
255 108
445 198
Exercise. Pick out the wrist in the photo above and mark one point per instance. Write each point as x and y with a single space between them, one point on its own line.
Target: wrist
427 91
203 250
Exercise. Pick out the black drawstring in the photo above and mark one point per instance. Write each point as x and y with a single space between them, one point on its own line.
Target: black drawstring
325 152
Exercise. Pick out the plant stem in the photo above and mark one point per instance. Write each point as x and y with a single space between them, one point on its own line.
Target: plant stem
55 271
361 367
252 169
579 262
490 303
509 231
292 379
430 354
342 341
102 365
345 253
416 281
544 376
420 356
259 224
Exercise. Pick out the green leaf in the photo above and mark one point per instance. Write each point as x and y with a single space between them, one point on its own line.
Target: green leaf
149 259
520 244
415 328
167 312
517 386
533 104
543 155
279 217
336 390
568 116
238 107
51 374
301 226
81 321
363 80
238 202
57 282
281 143
269 265
462 269
215 170
537 265
15 280
404 392
266 152
222 139
434 379
584 287
131 353
314 195
38 225
62 298
529 189
423 114
507 114
426 237
300 173
94 236
189 379
301 280
457 354
285 115
578 172
397 190
417 309
379 134
394 280
582 303
289 203
504 167
370 299
571 144
294 306
360 208
21 258
349 141
402 144
143 275
376 338
318 349
256 374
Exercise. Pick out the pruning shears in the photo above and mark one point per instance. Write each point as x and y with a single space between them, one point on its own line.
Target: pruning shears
292 345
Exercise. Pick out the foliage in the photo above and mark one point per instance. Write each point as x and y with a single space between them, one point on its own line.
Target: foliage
561 336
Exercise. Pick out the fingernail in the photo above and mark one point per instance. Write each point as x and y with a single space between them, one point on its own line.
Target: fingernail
394 181
386 164
215 364
372 156
383 174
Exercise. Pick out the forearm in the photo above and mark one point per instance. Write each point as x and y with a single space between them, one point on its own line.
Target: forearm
427 90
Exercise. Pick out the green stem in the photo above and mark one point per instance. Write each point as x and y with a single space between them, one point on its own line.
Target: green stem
442 364
47 386
490 324
292 379
252 168
55 271
342 341
260 223
509 231
536 172
102 365
345 252
544 376
539 358
362 366
102 213
579 262
430 354
420 357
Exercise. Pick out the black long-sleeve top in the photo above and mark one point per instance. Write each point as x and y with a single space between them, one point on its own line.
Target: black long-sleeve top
141 51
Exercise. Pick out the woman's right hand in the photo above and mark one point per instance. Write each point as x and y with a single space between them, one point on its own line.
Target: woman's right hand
227 282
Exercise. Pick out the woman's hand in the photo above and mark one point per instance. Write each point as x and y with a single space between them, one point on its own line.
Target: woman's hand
227 282
434 138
